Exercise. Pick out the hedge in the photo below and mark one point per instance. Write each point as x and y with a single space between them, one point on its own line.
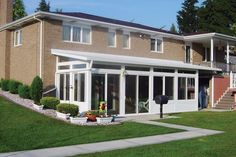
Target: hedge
50 102
24 91
36 90
13 86
5 85
68 108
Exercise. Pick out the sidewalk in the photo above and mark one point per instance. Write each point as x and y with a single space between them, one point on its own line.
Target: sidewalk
190 132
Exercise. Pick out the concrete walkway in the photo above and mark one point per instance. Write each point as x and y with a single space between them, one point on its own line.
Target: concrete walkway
190 132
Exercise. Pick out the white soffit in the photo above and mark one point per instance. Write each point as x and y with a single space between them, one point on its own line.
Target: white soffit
130 60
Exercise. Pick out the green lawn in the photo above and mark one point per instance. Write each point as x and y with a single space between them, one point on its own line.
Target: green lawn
222 145
23 129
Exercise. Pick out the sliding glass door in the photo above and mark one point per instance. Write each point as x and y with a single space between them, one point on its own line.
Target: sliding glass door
64 87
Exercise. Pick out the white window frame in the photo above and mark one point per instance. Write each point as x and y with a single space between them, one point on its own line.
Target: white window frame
191 52
18 38
115 43
129 41
162 44
82 27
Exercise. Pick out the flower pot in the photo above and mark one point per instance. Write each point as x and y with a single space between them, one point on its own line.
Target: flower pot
62 115
78 120
104 119
38 107
91 117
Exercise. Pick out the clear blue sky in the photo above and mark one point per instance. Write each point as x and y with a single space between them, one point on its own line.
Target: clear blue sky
156 13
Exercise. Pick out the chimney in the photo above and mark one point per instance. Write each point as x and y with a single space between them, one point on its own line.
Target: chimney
6 8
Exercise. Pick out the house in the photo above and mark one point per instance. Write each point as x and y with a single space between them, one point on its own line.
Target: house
84 59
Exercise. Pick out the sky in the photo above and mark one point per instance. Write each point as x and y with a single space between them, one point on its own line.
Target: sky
155 13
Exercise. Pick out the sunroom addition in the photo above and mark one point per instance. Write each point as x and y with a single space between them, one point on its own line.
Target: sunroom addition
127 84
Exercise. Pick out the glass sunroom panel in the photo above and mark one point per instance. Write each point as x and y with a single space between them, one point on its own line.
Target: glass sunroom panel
130 94
158 86
191 88
98 90
143 91
113 92
181 88
79 87
169 87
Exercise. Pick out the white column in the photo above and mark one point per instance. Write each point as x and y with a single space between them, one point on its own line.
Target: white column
212 51
196 86
122 91
175 88
227 52
88 88
150 90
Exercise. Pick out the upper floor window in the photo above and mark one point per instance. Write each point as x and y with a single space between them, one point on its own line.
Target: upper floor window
157 45
77 34
126 40
18 38
111 38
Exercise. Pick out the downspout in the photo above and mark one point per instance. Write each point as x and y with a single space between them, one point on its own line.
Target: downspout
40 46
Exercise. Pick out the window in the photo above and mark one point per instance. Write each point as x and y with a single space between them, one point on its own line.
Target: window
186 88
126 40
77 34
111 38
188 58
207 55
18 38
157 45
79 87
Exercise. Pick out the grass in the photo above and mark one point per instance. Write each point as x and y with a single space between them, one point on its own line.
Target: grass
23 129
222 145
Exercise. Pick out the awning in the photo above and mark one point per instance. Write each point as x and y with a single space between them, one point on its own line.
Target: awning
128 60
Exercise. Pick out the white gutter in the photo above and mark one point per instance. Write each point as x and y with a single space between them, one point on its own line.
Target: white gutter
40 46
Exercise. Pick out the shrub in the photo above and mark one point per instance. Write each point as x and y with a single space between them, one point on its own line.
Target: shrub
50 102
13 86
5 85
68 108
24 91
36 90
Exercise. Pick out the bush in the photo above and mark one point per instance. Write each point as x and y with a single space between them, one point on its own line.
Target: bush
13 86
1 83
50 102
5 85
24 91
68 108
36 90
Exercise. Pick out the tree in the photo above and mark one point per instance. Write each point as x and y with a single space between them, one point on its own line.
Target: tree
18 9
43 6
217 16
173 28
187 18
58 10
36 90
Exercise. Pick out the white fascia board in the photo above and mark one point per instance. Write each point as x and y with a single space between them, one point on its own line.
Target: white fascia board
20 21
199 36
128 60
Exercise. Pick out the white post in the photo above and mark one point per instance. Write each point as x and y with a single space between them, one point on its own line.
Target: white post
212 52
122 91
227 56
196 87
150 90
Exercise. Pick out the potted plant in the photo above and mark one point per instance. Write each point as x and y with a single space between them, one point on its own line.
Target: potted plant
79 119
103 118
64 111
92 115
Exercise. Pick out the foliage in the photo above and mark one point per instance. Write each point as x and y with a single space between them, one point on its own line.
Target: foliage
50 102
18 10
36 90
5 85
43 6
187 17
24 91
68 108
93 112
1 83
173 28
13 86
58 10
217 16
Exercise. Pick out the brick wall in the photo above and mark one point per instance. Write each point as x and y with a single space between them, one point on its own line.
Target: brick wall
220 86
